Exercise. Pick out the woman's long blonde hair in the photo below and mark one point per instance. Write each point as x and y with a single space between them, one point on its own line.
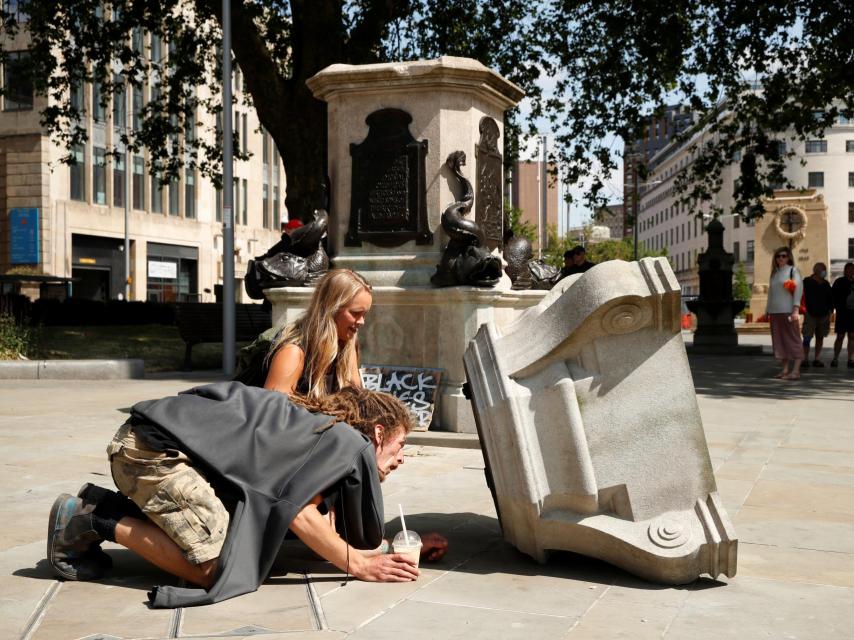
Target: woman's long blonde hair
316 334
362 410
790 262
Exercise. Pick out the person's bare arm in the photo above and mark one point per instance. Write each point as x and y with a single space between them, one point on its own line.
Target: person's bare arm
285 369
313 529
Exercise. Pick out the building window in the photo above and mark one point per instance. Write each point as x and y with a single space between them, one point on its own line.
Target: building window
14 10
76 95
749 256
218 199
265 204
136 39
156 48
235 195
736 251
99 176
851 212
816 179
245 132
98 114
120 107
851 248
736 222
174 198
78 174
156 195
816 146
277 218
851 179
136 186
119 181
136 107
235 125
265 147
245 204
189 194
18 82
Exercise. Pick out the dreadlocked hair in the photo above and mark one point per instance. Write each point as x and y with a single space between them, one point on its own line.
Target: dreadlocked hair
361 409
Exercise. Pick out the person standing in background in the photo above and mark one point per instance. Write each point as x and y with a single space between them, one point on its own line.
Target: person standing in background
784 301
843 300
819 305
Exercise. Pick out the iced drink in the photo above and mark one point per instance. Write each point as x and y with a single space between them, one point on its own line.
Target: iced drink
408 545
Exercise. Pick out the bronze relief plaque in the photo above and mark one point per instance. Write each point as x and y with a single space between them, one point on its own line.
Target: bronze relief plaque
488 212
387 196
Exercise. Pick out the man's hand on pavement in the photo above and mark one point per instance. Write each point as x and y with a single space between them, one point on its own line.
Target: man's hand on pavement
389 567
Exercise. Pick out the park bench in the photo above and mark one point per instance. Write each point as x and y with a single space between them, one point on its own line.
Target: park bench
202 322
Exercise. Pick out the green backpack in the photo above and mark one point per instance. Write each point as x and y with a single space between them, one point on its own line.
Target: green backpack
252 361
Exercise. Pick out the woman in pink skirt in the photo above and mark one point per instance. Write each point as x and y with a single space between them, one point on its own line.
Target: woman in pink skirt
784 300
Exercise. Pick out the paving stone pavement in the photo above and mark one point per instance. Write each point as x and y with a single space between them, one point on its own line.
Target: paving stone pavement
784 460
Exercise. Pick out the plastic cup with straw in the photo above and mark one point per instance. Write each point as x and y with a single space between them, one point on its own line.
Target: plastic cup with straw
407 543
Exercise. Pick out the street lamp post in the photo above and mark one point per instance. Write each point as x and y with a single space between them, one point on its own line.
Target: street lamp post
228 319
127 190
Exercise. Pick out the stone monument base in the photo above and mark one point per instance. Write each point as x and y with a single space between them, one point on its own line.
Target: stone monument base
421 326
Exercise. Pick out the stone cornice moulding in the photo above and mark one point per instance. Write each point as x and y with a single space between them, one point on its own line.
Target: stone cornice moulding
414 296
390 77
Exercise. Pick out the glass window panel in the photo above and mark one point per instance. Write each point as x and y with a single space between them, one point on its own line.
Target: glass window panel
78 174
99 176
138 183
119 178
18 82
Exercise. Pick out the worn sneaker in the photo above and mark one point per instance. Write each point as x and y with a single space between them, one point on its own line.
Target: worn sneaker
818 364
69 535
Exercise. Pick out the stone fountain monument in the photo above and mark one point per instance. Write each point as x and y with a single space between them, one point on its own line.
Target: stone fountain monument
409 142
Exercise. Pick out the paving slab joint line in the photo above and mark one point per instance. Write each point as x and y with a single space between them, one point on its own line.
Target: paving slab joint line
176 622
379 614
39 612
588 609
316 605
678 612
500 610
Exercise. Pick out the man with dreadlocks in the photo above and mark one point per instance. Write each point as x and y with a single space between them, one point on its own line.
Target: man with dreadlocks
212 479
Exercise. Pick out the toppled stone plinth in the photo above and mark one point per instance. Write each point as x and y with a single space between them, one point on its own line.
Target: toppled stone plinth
590 428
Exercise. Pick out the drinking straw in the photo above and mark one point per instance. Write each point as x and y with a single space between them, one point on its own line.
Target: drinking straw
403 524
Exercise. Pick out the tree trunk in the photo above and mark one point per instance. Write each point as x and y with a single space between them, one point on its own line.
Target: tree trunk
294 118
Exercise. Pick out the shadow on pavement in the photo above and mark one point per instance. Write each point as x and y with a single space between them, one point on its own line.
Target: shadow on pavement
129 571
753 377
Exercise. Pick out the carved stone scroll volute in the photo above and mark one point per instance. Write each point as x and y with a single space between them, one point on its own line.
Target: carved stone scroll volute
488 202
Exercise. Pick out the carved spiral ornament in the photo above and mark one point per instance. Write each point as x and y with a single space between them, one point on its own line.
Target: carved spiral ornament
625 318
668 532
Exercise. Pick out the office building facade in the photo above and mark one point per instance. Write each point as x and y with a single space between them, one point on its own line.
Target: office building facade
76 213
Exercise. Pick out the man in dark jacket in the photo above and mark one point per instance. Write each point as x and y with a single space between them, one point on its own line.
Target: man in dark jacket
220 473
843 300
819 305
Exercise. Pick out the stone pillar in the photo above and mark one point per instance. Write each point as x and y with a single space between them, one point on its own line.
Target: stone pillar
794 219
391 128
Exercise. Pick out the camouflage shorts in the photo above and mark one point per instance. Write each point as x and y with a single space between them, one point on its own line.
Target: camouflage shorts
172 493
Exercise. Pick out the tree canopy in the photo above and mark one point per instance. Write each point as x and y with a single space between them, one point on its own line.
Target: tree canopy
593 71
